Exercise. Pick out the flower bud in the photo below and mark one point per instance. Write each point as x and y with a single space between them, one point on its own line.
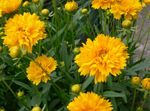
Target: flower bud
71 6
45 12
35 1
76 88
36 108
84 11
26 3
14 51
135 80
20 93
147 2
146 83
126 23
76 50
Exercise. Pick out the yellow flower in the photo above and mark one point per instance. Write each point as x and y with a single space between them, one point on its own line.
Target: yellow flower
146 83
36 108
24 31
135 80
126 23
8 6
103 4
71 6
45 12
126 8
89 102
101 57
75 88
147 1
40 69
26 3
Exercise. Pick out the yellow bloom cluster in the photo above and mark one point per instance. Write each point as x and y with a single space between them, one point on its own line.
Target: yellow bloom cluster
71 6
89 102
101 57
24 31
40 69
119 7
146 83
7 6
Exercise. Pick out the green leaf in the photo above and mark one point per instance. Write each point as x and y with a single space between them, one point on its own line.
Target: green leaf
115 94
87 82
22 84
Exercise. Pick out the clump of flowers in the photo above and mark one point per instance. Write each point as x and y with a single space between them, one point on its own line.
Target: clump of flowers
71 6
40 69
27 30
89 102
101 57
8 6
146 83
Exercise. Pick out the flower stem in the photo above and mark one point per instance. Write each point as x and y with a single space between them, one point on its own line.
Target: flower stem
133 102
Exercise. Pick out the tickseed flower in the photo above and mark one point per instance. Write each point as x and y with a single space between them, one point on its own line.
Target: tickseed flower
26 3
75 88
8 6
89 102
101 57
147 2
20 93
126 8
36 108
71 6
126 23
146 83
23 31
102 4
135 80
45 12
40 69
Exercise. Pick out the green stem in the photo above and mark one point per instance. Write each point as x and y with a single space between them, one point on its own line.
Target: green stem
133 102
13 93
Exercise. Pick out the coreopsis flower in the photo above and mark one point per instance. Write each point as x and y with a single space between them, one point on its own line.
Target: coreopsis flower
71 6
147 2
36 108
146 83
104 56
102 4
8 6
89 102
126 8
40 69
23 31
75 88
135 80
